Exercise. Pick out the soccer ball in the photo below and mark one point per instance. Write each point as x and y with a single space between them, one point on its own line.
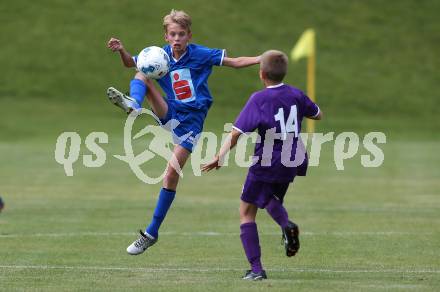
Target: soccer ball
153 62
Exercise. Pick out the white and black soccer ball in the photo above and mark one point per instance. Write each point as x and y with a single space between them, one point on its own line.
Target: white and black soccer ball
153 62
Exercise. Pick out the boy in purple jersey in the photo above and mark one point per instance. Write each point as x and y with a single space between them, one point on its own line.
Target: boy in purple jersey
188 101
276 112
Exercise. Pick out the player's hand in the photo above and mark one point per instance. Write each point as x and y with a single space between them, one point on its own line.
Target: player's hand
115 45
213 164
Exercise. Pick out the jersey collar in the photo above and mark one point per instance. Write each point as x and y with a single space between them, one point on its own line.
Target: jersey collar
275 86
184 54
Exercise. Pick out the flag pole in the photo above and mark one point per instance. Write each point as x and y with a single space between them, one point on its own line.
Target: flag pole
311 88
305 47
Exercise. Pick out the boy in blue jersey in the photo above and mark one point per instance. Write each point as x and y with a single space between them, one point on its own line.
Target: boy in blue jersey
188 101
276 112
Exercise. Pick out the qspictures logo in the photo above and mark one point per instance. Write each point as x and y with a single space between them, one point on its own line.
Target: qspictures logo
345 146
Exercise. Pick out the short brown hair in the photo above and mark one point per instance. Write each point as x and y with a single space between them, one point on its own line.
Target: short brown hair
274 65
177 16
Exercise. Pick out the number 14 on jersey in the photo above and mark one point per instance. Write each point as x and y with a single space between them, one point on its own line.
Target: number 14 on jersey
289 126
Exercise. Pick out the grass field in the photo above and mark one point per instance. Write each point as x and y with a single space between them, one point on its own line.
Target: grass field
363 229
378 232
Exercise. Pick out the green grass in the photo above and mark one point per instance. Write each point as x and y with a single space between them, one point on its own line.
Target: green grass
362 228
377 60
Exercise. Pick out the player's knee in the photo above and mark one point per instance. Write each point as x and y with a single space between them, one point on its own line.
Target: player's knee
246 216
140 76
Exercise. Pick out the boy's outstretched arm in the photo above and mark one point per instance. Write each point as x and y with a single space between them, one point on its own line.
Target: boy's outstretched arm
218 160
241 62
116 45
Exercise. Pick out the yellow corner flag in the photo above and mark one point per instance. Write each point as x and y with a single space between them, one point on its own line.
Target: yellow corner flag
305 47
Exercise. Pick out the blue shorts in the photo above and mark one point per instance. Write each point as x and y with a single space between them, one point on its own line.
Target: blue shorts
260 193
185 125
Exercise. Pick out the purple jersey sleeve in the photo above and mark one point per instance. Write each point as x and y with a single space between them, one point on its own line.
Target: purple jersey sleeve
249 118
310 108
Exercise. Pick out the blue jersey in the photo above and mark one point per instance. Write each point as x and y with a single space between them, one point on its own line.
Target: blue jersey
187 80
186 84
186 88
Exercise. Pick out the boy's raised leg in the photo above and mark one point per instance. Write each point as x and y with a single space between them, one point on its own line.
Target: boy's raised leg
138 90
291 239
139 86
121 100
278 213
155 100
290 230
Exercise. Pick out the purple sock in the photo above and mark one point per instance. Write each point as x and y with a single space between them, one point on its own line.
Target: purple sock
277 212
251 245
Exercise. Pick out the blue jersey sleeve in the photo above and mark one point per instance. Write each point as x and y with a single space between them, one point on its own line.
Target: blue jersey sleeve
216 57
213 57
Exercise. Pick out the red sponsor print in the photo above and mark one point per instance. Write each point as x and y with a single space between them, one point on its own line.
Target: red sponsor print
181 87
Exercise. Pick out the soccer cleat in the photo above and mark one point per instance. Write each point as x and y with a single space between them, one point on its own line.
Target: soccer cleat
251 276
141 244
291 239
121 100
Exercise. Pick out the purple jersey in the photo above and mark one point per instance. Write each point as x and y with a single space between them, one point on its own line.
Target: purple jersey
276 112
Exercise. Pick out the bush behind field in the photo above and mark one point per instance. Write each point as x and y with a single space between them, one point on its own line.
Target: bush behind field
377 60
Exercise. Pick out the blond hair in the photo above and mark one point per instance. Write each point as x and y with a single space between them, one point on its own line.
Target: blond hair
274 65
177 16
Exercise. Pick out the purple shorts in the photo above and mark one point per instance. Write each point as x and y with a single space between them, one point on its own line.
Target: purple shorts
260 193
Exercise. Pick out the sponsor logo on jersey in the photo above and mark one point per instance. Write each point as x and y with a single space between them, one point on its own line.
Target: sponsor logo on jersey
183 85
